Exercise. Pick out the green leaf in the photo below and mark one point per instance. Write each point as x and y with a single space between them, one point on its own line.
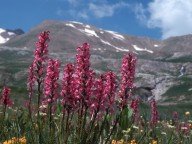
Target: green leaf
130 113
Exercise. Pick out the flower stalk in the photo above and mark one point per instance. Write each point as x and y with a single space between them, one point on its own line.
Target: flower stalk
6 100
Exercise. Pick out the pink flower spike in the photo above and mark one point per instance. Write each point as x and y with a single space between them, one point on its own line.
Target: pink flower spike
175 115
67 93
31 80
154 113
128 76
50 84
36 69
41 46
5 100
84 76
134 105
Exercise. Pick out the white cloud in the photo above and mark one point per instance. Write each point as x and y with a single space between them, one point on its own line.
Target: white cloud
80 9
173 17
140 12
78 14
105 10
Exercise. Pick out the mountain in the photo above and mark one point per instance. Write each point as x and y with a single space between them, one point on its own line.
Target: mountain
157 68
68 35
7 34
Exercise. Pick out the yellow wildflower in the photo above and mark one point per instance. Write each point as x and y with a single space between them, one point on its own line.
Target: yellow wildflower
120 141
23 140
15 140
187 113
113 141
128 130
154 142
133 141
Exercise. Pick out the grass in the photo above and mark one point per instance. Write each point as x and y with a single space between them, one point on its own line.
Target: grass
179 92
18 125
165 111
183 59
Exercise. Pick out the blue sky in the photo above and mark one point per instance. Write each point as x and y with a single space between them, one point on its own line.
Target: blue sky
157 19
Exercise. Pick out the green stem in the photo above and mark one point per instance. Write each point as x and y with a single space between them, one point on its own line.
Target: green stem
67 128
62 123
38 105
84 120
103 123
50 119
4 111
93 122
115 124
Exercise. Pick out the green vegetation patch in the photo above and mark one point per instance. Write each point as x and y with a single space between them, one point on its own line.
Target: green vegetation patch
178 90
183 59
181 88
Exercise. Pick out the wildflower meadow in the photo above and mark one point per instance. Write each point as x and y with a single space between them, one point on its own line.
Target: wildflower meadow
75 105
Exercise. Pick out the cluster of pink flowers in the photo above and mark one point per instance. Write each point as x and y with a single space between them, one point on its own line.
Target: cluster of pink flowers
80 90
40 55
5 100
36 70
154 113
105 90
110 90
134 105
175 115
97 103
128 76
41 48
84 76
67 92
51 84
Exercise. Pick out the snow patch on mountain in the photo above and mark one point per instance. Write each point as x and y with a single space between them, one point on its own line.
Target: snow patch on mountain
88 26
70 24
3 40
2 30
116 35
156 45
141 49
5 35
11 33
117 48
91 32
99 49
